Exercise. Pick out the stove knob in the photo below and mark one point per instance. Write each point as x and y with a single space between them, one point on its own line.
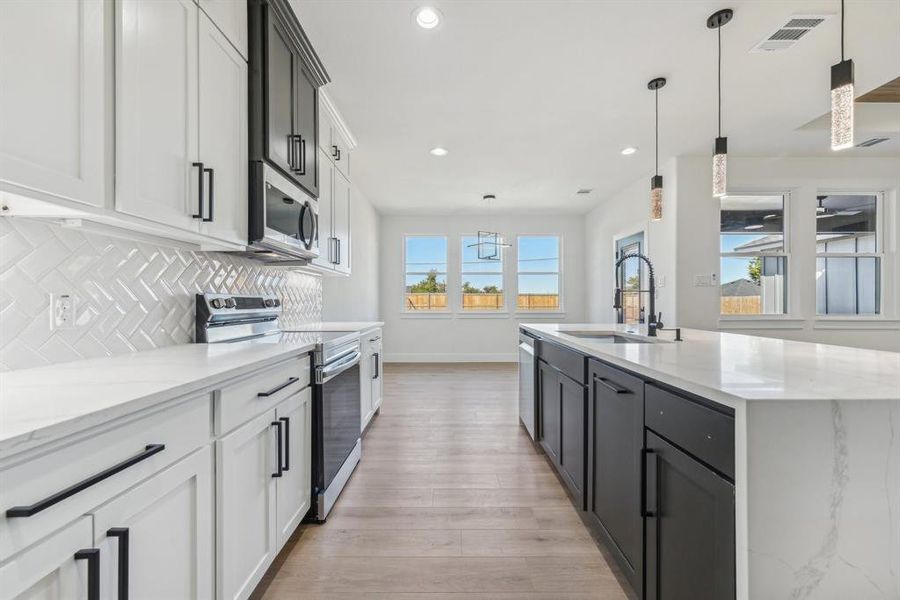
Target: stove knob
217 303
269 303
277 302
230 303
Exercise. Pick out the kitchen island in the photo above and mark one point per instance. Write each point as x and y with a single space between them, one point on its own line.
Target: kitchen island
812 454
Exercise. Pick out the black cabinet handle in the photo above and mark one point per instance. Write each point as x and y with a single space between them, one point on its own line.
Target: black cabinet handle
27 511
299 155
290 151
287 442
212 193
377 357
92 556
199 213
335 152
122 534
278 388
650 489
278 425
612 386
338 240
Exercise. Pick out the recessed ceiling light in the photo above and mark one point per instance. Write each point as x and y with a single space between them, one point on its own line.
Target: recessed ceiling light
438 151
629 150
427 17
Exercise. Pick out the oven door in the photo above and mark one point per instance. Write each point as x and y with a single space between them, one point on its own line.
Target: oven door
340 411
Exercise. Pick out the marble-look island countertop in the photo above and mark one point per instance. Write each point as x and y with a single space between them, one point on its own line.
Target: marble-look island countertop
42 403
729 367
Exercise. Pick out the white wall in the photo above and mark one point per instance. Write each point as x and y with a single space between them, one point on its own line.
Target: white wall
356 298
686 243
459 338
802 178
622 215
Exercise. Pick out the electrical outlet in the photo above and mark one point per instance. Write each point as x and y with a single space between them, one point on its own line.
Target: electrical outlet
701 280
62 311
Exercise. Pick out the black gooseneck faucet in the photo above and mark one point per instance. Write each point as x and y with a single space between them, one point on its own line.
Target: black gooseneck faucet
653 323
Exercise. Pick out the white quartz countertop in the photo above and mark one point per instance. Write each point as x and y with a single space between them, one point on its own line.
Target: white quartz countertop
42 403
333 326
729 367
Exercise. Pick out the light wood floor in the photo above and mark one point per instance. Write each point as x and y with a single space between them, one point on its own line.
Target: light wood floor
450 501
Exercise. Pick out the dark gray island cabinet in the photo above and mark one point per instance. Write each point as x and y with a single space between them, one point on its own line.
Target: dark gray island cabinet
650 468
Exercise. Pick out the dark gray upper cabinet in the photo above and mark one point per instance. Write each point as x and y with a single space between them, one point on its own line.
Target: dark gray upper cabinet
616 403
284 76
690 526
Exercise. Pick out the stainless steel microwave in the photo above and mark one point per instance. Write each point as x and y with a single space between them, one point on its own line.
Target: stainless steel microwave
284 220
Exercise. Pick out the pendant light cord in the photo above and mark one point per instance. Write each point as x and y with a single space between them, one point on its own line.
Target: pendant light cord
656 94
842 30
719 29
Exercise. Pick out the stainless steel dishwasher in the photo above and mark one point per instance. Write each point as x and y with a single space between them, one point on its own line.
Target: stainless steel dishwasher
527 412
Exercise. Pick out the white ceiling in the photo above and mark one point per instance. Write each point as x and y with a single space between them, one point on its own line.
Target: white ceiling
535 99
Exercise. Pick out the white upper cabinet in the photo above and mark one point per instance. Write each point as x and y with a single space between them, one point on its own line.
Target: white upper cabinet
341 222
53 101
326 241
231 17
156 111
223 133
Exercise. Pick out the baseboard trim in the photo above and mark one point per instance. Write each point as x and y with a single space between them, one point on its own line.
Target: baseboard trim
423 357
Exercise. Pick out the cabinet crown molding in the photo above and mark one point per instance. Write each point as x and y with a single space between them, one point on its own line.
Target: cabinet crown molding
327 104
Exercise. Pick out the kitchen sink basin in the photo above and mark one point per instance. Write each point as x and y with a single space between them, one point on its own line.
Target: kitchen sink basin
609 337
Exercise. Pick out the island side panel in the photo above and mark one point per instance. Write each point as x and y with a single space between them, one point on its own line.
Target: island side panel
823 499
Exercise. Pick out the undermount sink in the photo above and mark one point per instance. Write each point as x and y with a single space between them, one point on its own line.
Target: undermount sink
610 337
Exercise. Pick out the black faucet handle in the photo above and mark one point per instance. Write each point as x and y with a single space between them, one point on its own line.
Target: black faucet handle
617 299
659 323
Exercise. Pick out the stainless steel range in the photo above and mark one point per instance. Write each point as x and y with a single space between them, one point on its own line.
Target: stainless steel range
224 318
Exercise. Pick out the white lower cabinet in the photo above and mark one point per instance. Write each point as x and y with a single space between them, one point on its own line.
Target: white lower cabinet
263 491
50 570
156 540
370 373
294 487
245 497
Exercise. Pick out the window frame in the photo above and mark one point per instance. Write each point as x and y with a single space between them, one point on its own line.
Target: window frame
559 274
424 313
458 292
878 254
786 313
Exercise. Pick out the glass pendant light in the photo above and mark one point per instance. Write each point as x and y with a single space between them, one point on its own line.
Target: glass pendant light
656 182
720 156
842 94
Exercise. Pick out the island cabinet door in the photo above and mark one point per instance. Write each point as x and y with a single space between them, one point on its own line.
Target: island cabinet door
156 539
689 512
549 397
573 434
616 402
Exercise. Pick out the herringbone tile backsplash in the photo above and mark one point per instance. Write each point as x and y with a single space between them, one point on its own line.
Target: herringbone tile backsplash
130 296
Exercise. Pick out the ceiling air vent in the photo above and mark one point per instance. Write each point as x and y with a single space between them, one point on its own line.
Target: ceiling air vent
872 142
786 36
584 191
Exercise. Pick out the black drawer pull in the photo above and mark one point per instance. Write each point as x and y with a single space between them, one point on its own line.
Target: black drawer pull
278 388
279 426
122 534
92 556
287 442
27 511
618 389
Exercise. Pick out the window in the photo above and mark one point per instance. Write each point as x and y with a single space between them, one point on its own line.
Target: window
482 278
425 265
753 255
538 273
848 263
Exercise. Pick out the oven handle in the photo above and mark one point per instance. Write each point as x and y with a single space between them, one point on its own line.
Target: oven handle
329 372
